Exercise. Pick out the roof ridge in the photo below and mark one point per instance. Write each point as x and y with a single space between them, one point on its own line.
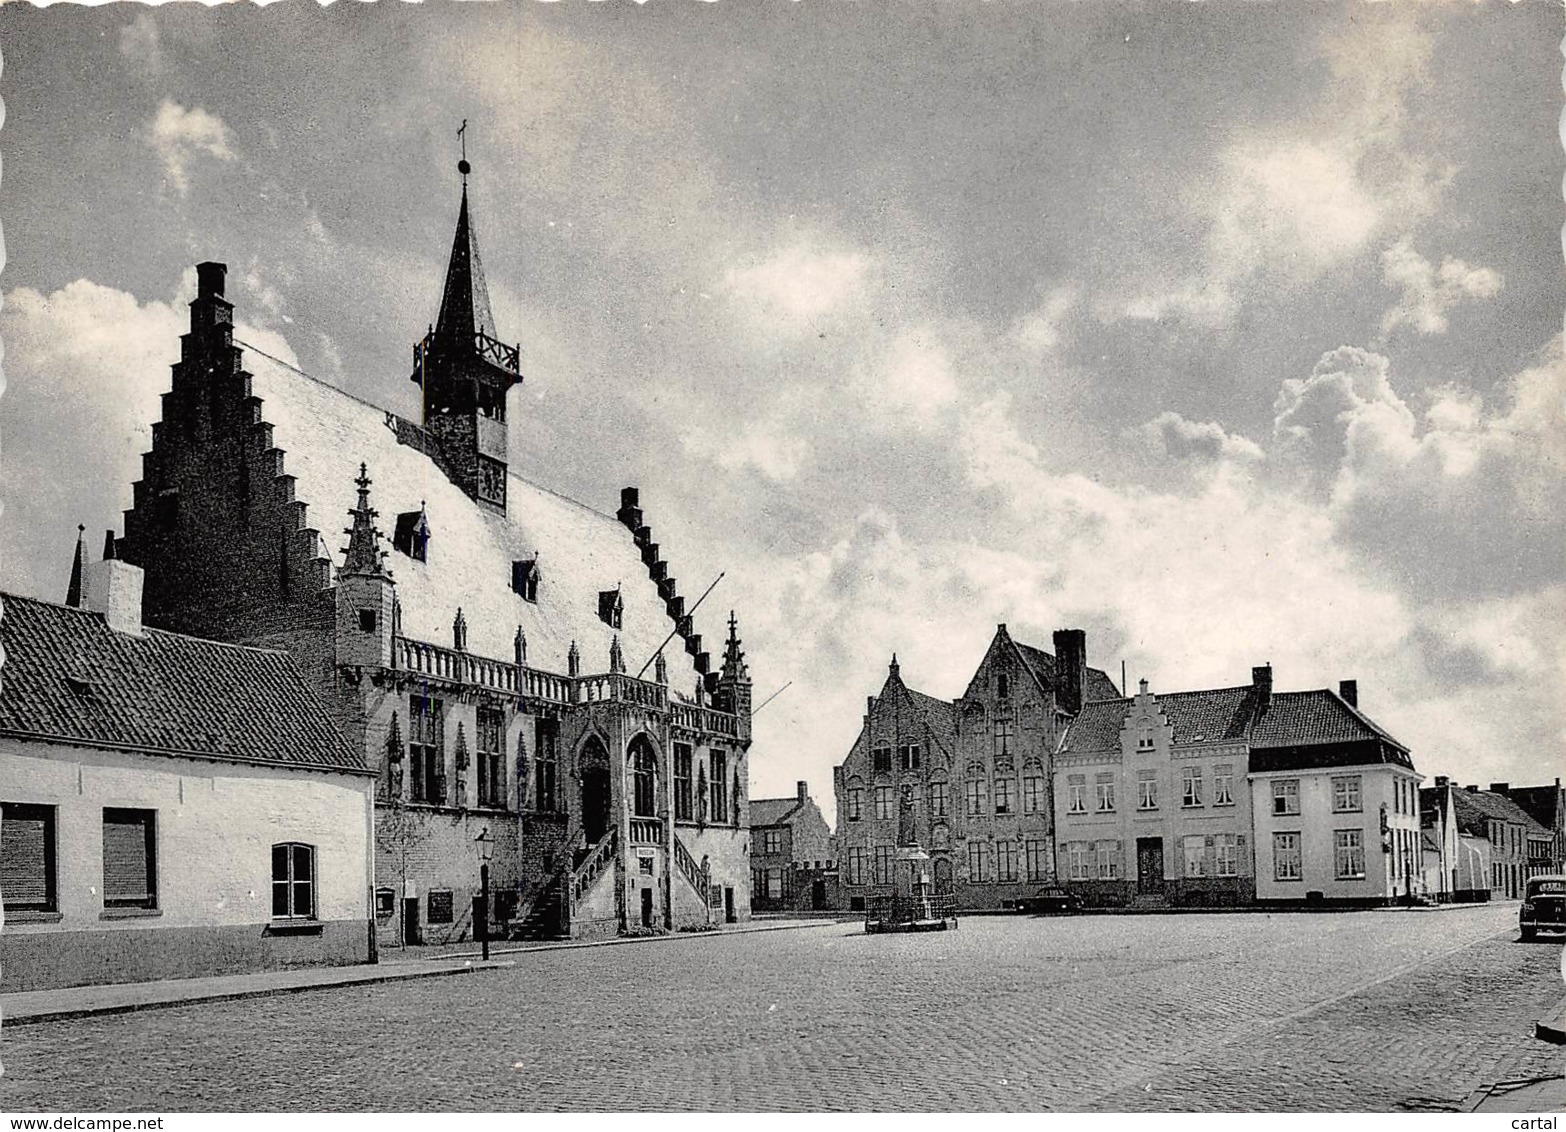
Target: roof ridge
147 629
511 473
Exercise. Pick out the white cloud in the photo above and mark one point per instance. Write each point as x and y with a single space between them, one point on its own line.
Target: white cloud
1170 434
183 136
798 286
140 44
1041 331
1286 204
1429 292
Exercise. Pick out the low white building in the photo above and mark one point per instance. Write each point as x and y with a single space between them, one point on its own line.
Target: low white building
169 806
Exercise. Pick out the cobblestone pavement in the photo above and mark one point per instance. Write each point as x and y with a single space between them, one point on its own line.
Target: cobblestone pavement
1378 1010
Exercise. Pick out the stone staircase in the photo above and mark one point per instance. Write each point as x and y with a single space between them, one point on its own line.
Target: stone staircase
540 917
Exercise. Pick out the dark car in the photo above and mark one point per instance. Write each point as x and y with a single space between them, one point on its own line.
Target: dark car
1543 907
1050 898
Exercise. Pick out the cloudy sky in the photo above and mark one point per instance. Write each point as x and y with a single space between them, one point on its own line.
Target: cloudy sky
1228 333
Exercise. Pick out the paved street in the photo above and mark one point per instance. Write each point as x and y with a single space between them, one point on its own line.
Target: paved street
1376 1010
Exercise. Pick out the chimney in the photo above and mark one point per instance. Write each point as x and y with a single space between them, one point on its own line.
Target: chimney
1070 669
1348 692
114 590
803 789
1499 787
1261 681
1442 781
1471 788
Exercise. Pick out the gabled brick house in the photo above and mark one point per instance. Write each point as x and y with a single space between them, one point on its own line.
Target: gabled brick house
792 855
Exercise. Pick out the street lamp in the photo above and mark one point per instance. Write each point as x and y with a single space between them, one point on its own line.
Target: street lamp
486 846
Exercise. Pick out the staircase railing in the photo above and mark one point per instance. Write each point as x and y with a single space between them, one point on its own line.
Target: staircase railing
541 891
592 865
690 870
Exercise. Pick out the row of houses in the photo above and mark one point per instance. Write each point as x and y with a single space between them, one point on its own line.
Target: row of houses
1043 773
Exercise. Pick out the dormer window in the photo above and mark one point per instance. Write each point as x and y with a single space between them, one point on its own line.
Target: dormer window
524 579
412 536
611 609
1144 735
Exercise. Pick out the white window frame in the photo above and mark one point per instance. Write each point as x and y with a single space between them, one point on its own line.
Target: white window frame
1282 852
1348 848
1287 792
1348 794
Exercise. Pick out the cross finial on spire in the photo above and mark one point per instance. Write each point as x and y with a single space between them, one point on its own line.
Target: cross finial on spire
462 166
363 554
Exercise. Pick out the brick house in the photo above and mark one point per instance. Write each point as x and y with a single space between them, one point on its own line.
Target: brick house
979 769
1546 805
1507 828
792 856
169 806
907 740
500 654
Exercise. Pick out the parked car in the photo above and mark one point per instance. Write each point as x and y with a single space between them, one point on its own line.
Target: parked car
1543 907
1050 898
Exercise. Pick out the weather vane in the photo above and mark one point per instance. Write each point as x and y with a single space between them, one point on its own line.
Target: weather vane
462 166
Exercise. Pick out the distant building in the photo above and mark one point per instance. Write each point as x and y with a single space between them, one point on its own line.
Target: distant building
1335 802
1546 805
1152 798
1227 796
1506 827
792 857
520 670
169 806
980 769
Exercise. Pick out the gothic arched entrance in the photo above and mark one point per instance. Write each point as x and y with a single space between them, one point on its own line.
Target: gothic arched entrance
593 769
943 876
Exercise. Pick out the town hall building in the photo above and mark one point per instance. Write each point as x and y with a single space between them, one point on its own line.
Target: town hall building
519 670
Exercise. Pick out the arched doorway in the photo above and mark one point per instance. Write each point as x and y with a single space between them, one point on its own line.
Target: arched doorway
593 769
943 875
643 762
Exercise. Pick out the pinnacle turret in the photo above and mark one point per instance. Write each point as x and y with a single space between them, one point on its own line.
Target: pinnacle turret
363 554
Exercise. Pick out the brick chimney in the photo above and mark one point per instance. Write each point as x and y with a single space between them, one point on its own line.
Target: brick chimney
1348 692
1070 669
1261 681
1500 787
803 790
114 590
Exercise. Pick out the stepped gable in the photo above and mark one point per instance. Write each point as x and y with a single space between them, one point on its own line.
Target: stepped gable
70 678
1211 715
1096 686
326 434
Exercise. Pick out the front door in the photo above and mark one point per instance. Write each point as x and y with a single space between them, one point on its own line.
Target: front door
595 802
647 905
728 906
410 921
818 895
1150 866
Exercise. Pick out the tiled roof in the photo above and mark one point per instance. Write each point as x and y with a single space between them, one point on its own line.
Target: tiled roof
1206 716
1318 716
1096 728
1096 686
326 433
1477 807
771 811
942 716
69 677
1538 801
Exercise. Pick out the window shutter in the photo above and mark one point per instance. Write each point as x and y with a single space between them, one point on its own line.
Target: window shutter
24 857
127 857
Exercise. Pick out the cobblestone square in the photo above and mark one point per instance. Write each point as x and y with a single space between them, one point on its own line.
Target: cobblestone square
1381 1011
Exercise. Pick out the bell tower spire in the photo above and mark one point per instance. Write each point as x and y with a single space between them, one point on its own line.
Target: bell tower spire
465 370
